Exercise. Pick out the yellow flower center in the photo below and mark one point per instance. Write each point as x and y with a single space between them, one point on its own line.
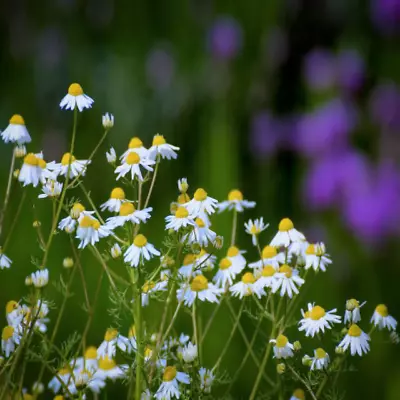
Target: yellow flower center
59 397
158 140
299 394
27 396
254 230
16 119
64 371
41 163
133 158
317 313
135 143
31 159
268 270
281 341
269 252
233 251
199 283
235 195
126 209
286 270
285 225
111 334
148 352
140 240
181 212
248 277
117 193
132 331
91 353
76 210
169 374
200 195
225 263
8 331
320 353
67 159
354 330
310 249
382 310
106 364
352 304
189 259
148 286
200 223
86 222
183 198
11 306
75 89
307 314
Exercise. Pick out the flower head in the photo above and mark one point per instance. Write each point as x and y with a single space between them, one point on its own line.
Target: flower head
76 98
316 319
356 340
235 202
382 319
16 131
255 228
286 234
199 288
108 121
139 251
169 387
282 347
162 148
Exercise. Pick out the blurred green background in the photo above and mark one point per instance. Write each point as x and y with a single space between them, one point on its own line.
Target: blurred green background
294 102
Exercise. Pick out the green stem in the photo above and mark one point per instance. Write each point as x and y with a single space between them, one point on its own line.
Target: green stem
8 191
15 219
234 227
139 338
152 183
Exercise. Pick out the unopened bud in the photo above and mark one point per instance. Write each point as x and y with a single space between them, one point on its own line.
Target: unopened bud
306 361
108 121
20 151
28 280
297 345
16 173
183 186
218 242
68 262
115 251
38 388
339 350
36 224
351 304
281 368
173 207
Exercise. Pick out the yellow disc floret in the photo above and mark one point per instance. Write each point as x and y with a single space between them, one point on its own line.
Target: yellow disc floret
75 89
320 353
248 277
140 240
281 341
135 143
17 119
354 330
299 394
317 313
200 194
269 252
199 283
117 193
286 270
169 374
310 249
225 263
352 304
126 209
91 353
41 163
183 198
106 364
189 259
11 306
8 332
148 286
382 310
233 251
200 223
111 334
235 195
31 159
133 158
181 212
268 270
67 159
285 225
132 331
86 222
158 140
76 210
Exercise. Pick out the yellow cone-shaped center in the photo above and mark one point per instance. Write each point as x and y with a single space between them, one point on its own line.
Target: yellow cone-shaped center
8 332
75 89
225 263
286 270
354 330
248 277
320 353
200 223
200 194
106 364
135 143
76 210
181 212
199 283
169 374
140 240
31 159
317 313
268 270
352 304
117 193
382 310
285 225
67 159
281 341
235 195
86 222
269 252
11 306
133 158
126 209
158 140
111 334
91 353
17 119
310 249
233 251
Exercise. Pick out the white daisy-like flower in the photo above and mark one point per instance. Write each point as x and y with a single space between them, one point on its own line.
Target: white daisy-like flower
382 319
298 394
246 287
112 340
201 233
202 205
352 313
316 319
226 273
89 362
71 164
199 288
316 257
183 185
37 388
357 340
107 120
113 204
139 251
269 256
16 131
108 369
298 250
5 262
111 156
115 251
51 188
132 164
10 338
76 98
69 223
206 379
82 379
255 228
146 395
188 352
64 374
160 146
282 348
128 213
266 277
150 288
205 261
40 278
181 219
286 234
32 170
169 387
14 313
235 202
135 146
320 359
287 280
90 231
188 267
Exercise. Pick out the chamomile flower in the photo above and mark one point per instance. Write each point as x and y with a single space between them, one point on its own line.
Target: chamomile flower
199 288
108 369
205 261
266 277
286 234
107 120
206 379
76 98
169 387
14 313
150 288
255 228
202 205
10 338
183 185
356 340
269 256
31 170
188 352
132 165
51 188
113 204
90 231
40 310
201 233
320 359
69 223
112 340
298 394
235 202
16 131
115 251
40 278
5 262
352 313
128 213
181 219
88 362
246 287
139 251
287 280
146 395
135 146
64 374
226 273
316 257
316 319
111 156
160 146
298 250
189 266
69 165
382 319
282 348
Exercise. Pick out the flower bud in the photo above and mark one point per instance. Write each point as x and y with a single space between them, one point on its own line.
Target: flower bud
306 361
173 207
115 251
297 345
20 151
218 242
16 173
111 156
339 350
183 186
68 262
281 368
36 224
108 120
394 337
37 388
28 281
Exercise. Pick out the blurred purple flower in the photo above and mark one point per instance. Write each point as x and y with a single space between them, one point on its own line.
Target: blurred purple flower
350 69
160 68
326 128
386 15
319 69
385 105
225 38
264 135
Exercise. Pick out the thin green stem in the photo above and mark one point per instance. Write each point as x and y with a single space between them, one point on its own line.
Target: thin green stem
139 338
234 227
8 192
15 219
153 180
304 382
